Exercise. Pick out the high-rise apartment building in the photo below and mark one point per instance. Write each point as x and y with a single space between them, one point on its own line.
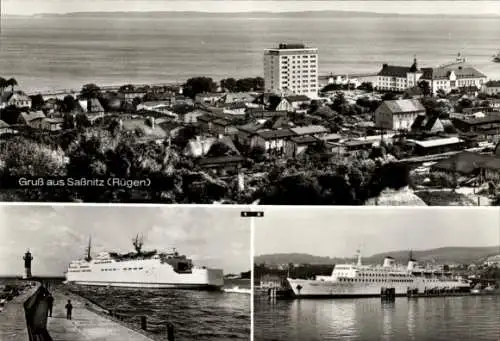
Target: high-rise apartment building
291 68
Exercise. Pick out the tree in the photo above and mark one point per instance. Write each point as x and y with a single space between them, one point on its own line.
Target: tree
425 87
90 91
69 104
3 84
219 149
37 102
198 85
228 84
389 96
366 86
12 82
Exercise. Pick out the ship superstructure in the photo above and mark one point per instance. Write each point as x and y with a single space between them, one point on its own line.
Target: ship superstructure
357 280
142 269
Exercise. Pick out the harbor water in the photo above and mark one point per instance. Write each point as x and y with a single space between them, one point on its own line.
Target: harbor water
195 315
437 319
63 52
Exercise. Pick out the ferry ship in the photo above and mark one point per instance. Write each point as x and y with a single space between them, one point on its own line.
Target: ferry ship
142 269
357 280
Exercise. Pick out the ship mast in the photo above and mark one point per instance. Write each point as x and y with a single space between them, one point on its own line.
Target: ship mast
88 258
138 242
358 252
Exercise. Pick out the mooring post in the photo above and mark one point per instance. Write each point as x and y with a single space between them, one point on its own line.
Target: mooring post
170 332
144 323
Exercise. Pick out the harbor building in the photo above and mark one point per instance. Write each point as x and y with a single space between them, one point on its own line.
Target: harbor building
291 69
446 77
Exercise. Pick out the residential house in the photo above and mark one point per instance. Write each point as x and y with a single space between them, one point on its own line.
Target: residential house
91 106
6 128
222 164
52 124
236 108
17 99
209 97
190 117
145 129
491 88
291 103
221 126
157 106
350 147
495 104
299 144
470 164
331 137
487 127
129 95
205 122
33 119
426 124
200 145
272 140
436 146
398 115
311 130
234 97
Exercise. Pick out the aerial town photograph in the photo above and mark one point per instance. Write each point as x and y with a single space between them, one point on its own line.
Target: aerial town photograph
363 274
152 274
250 102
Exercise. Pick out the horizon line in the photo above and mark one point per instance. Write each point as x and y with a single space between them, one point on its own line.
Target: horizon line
374 13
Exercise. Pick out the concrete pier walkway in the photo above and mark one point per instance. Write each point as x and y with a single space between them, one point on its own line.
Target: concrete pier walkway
85 325
13 319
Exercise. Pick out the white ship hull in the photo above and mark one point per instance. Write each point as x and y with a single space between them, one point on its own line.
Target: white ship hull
147 273
315 288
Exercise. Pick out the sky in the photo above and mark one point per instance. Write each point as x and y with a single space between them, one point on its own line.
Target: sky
28 7
213 237
339 232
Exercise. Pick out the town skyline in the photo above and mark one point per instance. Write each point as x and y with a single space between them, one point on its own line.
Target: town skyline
417 7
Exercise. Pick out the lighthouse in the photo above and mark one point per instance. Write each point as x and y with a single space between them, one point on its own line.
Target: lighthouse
27 264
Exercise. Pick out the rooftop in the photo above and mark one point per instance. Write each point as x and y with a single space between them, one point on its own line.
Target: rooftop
436 142
312 129
404 105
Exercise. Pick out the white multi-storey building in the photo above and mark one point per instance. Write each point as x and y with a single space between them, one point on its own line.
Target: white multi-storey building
447 77
291 68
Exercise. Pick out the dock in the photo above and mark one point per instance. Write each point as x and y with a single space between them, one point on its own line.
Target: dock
13 317
86 324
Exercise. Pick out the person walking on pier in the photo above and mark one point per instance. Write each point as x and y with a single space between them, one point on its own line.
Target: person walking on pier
50 301
69 309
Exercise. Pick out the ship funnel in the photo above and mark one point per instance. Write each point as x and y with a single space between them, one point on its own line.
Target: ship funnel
388 262
412 264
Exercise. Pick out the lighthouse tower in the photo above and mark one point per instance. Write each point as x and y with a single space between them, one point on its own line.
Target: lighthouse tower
27 264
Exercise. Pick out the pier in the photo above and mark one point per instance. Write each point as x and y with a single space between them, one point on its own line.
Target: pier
87 324
13 319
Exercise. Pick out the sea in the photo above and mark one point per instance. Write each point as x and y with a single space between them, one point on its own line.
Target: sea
423 319
62 52
195 315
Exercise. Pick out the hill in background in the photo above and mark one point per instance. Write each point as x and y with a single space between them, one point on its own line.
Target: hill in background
444 255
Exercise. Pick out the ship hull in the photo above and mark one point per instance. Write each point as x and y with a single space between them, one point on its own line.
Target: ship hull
332 289
208 287
143 274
